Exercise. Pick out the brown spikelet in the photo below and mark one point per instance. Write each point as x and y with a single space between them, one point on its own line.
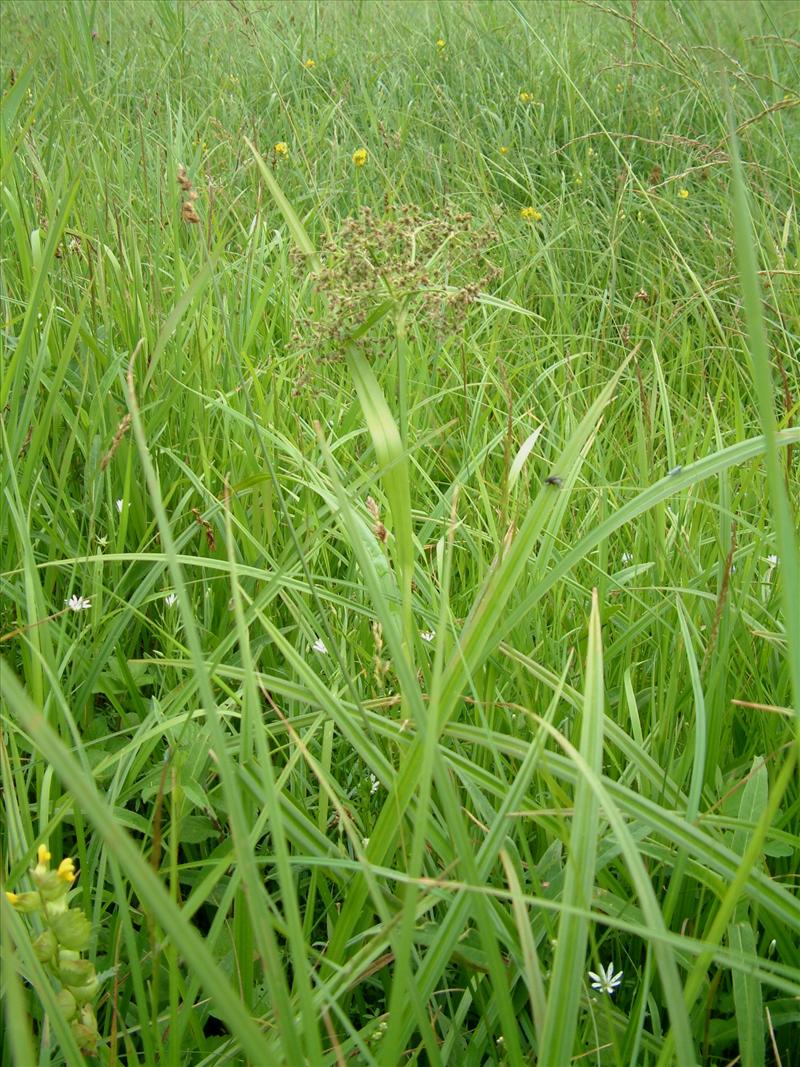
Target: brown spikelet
188 212
378 528
122 429
211 540
183 179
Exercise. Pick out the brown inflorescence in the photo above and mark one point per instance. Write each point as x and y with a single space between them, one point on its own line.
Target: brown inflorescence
405 256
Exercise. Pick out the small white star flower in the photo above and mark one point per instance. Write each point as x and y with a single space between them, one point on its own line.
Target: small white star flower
320 646
120 504
373 784
78 603
428 635
170 600
627 557
606 981
772 560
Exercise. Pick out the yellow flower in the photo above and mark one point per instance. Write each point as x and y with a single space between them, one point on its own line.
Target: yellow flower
683 194
281 149
619 87
12 898
66 870
503 150
360 157
42 855
440 43
530 214
310 64
525 98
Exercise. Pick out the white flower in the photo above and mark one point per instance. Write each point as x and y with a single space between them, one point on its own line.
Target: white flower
373 784
78 603
320 646
428 635
627 557
170 599
120 503
773 561
606 981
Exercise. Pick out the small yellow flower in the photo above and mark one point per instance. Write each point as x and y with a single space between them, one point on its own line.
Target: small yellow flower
503 150
440 43
619 87
66 870
360 157
530 214
683 194
281 149
525 98
42 855
12 898
579 179
310 64
590 153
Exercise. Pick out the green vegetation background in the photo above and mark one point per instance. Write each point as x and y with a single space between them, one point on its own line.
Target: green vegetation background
352 766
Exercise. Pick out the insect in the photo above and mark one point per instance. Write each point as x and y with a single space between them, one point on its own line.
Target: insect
554 480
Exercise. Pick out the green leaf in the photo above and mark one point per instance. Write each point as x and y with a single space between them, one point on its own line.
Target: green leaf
747 998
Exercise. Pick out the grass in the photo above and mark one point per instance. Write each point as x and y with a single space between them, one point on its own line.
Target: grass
443 640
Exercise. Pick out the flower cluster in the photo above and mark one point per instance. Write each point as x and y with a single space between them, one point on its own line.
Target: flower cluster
66 934
530 214
405 257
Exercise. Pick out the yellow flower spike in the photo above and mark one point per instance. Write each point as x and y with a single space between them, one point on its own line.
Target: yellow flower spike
42 855
281 149
683 194
503 150
530 214
360 157
310 64
66 870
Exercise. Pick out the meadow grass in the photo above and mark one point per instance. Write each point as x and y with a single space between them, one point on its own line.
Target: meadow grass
434 637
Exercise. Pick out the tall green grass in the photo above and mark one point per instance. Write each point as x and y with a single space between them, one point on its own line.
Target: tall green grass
381 781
